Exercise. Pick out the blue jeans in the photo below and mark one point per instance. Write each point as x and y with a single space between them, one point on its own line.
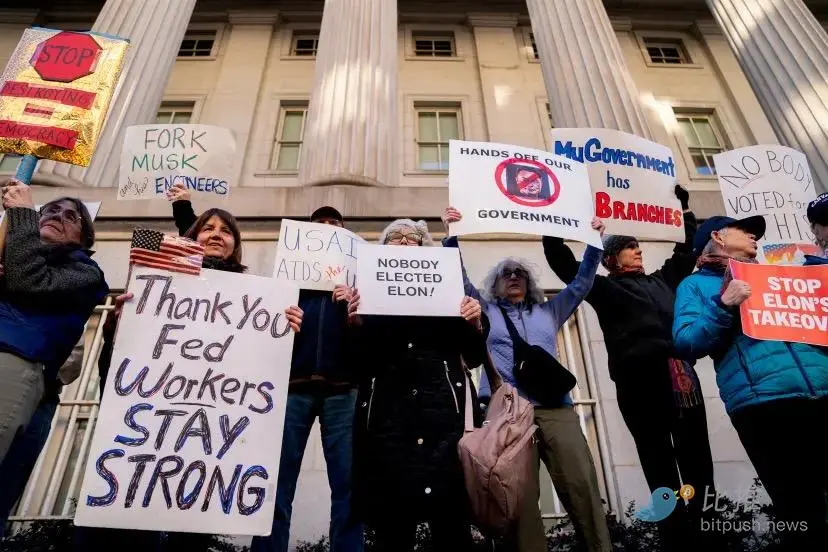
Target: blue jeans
336 419
19 462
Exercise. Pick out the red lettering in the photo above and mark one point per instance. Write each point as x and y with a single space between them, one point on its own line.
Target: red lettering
65 96
642 212
677 217
631 211
618 210
660 215
602 205
651 213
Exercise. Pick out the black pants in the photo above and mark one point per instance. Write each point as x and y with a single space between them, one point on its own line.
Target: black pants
447 535
673 448
785 440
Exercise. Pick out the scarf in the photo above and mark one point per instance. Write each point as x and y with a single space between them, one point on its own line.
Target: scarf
721 264
686 387
611 262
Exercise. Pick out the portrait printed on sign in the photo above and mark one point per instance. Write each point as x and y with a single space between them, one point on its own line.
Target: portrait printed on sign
633 180
505 188
774 181
190 427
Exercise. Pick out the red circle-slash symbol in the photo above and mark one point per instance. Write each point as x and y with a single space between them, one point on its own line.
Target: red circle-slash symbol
529 182
66 57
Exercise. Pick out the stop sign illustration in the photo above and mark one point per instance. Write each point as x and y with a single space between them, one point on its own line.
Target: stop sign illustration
66 57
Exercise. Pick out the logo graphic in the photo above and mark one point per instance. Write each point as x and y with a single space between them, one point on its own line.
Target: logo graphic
527 182
663 502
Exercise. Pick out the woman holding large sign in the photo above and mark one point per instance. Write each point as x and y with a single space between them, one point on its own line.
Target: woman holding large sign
410 417
51 286
516 309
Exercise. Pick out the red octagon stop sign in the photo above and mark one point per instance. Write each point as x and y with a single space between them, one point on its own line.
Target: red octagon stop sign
66 57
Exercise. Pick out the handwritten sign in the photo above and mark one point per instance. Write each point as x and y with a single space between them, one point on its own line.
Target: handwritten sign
190 428
504 188
316 256
408 280
773 181
156 157
787 303
633 180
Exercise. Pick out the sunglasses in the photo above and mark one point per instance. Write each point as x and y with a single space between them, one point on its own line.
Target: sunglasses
397 237
517 272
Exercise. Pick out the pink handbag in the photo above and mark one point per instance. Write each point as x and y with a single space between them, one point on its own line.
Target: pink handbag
497 458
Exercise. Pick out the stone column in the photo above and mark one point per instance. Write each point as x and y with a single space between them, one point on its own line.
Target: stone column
155 29
352 130
586 78
783 51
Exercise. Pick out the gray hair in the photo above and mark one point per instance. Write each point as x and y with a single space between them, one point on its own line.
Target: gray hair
420 226
534 293
713 248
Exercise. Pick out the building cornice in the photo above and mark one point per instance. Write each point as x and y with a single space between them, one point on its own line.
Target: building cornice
502 20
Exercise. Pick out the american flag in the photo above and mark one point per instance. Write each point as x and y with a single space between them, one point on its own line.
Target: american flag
158 250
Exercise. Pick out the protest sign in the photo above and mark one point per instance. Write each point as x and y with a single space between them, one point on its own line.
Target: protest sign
633 180
503 188
787 303
55 92
773 181
409 281
156 157
190 427
316 256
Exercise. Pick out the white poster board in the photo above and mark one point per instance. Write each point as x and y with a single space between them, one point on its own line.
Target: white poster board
189 432
504 188
92 206
773 181
156 157
316 256
633 180
409 280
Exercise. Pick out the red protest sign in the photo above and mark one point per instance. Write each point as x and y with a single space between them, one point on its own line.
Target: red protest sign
66 57
787 303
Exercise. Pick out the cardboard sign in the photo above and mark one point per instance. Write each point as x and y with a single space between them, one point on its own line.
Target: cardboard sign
633 180
787 303
409 280
503 188
156 157
773 181
190 428
316 256
55 92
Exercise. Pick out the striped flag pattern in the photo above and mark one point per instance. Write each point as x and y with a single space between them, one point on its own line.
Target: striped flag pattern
159 250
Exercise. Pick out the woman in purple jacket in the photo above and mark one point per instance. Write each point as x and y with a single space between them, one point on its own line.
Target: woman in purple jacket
511 287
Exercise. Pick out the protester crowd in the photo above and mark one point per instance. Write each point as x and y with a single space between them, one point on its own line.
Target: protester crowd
394 396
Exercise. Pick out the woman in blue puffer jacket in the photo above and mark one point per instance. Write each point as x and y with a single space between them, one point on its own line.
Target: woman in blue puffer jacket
512 287
775 392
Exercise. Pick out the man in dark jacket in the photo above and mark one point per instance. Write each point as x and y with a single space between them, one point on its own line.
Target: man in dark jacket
321 386
658 392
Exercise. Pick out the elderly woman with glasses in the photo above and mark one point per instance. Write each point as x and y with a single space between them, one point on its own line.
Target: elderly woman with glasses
50 287
511 290
410 416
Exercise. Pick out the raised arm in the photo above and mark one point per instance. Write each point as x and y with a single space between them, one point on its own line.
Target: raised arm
702 324
183 212
468 286
560 258
565 302
682 262
29 272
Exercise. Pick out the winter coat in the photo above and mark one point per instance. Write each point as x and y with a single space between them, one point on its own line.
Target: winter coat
811 260
410 416
536 324
748 371
635 311
320 353
50 292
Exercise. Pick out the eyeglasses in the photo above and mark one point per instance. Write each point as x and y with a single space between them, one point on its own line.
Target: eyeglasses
517 271
67 215
397 237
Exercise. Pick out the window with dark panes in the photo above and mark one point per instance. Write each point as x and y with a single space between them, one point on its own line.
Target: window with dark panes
197 44
702 139
305 45
429 45
666 51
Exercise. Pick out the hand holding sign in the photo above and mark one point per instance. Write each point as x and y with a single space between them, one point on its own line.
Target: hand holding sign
178 192
470 311
17 194
736 293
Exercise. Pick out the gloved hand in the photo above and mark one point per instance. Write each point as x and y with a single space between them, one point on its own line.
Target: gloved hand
683 196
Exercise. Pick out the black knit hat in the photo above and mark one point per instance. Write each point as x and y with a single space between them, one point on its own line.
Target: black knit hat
326 212
818 210
613 245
